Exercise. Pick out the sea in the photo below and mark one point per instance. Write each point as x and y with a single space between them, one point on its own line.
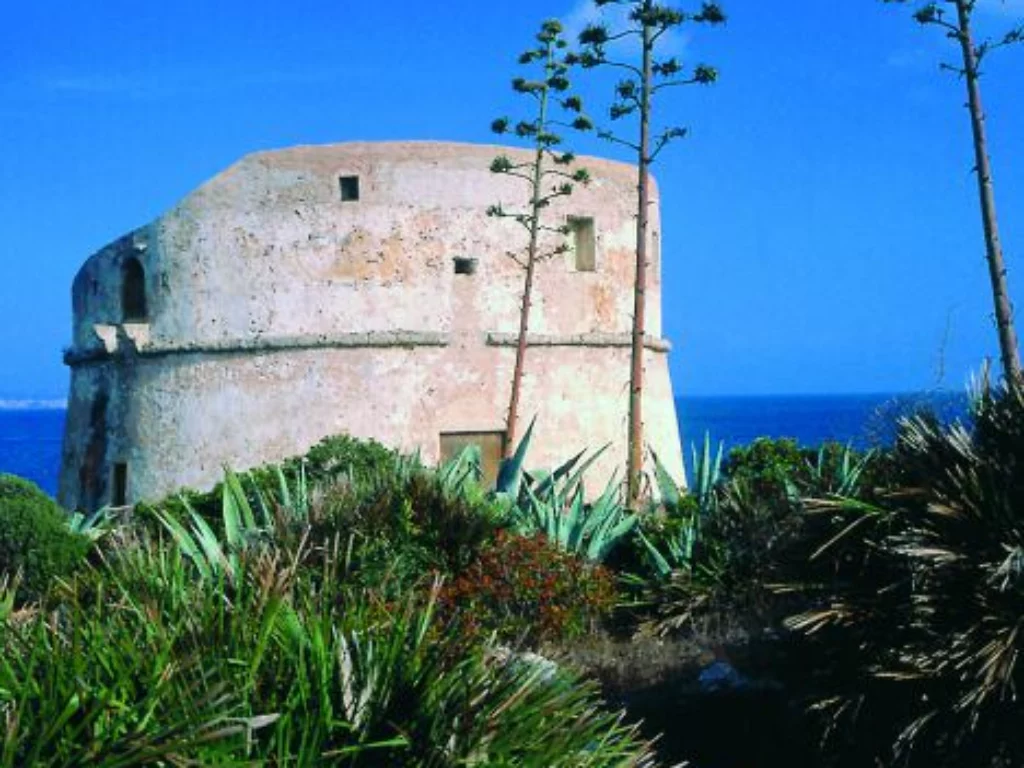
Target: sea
30 437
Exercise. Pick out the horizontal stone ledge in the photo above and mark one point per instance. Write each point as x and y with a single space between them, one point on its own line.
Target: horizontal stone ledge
577 340
369 340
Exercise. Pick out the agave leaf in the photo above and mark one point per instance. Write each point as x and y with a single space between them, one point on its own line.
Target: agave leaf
604 536
547 482
660 562
236 511
667 488
284 492
574 522
707 473
464 468
604 544
577 478
510 473
210 546
94 527
545 513
185 541
607 507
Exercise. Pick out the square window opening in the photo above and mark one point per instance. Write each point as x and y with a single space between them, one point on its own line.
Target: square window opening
349 188
581 230
491 445
464 265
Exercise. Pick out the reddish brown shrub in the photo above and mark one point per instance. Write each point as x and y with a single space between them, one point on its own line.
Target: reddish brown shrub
527 590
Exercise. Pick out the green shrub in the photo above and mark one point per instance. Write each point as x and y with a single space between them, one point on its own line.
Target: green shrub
13 487
525 589
780 471
344 454
34 537
770 466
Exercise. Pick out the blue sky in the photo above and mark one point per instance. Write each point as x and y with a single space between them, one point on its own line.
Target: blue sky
821 231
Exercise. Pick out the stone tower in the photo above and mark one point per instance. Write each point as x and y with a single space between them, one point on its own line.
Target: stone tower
355 288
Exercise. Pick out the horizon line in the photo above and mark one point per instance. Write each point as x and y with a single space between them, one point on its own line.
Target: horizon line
60 404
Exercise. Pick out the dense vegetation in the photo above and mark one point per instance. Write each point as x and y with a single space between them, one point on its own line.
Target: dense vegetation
289 619
356 607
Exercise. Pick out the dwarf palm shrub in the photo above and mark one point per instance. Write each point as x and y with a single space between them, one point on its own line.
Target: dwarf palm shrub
105 686
920 601
744 529
406 524
333 459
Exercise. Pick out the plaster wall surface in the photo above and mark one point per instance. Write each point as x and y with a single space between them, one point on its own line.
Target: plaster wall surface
277 313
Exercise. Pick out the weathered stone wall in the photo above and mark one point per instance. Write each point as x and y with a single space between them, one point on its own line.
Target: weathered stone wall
277 314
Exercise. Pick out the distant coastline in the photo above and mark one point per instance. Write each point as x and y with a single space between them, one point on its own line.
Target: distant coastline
59 404
33 405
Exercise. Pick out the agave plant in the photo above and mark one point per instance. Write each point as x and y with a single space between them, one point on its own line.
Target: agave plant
548 502
463 471
94 526
590 530
553 503
511 471
838 475
692 509
244 524
707 474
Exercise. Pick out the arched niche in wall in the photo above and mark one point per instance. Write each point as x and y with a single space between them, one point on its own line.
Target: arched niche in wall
133 292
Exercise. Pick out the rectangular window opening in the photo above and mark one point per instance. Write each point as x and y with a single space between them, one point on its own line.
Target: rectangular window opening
349 188
119 491
581 229
491 445
464 265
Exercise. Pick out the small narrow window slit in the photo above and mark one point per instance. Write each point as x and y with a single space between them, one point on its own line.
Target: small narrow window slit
581 231
119 492
133 292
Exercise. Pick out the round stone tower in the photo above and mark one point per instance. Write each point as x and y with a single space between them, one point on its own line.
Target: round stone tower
357 288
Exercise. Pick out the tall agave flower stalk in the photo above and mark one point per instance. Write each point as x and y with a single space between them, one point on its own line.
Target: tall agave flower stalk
958 26
647 23
547 177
